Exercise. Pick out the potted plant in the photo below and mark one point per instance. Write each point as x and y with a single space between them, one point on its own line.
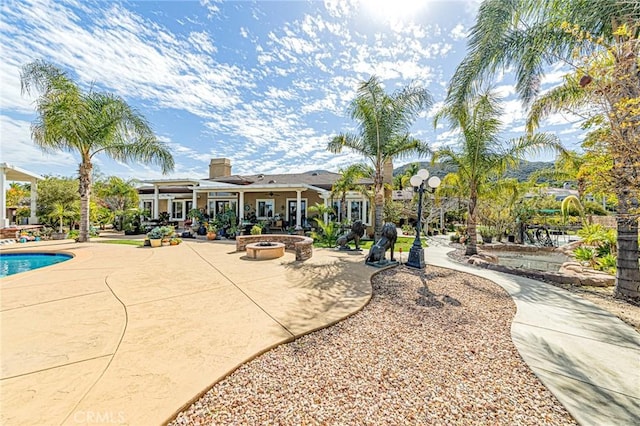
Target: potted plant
155 237
212 230
256 230
167 233
487 233
174 241
232 232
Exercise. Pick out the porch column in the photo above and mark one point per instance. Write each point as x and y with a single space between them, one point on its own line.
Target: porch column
156 201
194 199
3 199
170 207
33 219
326 214
298 209
241 206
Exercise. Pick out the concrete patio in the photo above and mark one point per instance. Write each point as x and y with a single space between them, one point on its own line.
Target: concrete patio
129 335
125 334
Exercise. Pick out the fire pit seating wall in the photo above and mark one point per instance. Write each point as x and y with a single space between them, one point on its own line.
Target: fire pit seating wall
303 246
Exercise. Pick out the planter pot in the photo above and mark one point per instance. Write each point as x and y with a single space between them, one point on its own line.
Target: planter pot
156 242
58 235
211 235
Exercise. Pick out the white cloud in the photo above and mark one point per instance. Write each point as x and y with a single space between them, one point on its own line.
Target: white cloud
212 9
202 42
459 32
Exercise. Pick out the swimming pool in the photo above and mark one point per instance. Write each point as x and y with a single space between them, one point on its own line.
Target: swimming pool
14 263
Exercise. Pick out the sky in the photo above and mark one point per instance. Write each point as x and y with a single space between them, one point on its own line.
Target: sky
266 83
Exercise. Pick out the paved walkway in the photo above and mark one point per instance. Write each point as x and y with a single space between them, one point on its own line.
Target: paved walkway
588 358
94 341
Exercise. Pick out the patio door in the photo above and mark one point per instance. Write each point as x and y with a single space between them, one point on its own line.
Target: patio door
292 205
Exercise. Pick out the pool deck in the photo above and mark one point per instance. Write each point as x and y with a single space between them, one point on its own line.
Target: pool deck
129 335
125 334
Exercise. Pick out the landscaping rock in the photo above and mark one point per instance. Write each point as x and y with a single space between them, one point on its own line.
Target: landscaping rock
587 276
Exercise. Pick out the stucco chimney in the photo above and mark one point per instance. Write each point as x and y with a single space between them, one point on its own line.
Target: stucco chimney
219 167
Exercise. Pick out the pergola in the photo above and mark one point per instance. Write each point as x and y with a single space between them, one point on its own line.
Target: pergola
10 173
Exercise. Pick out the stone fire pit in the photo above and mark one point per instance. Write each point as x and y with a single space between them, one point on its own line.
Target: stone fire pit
265 250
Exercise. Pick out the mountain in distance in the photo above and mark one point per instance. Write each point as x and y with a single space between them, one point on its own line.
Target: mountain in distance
522 172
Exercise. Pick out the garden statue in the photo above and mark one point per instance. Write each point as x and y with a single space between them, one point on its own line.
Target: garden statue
356 232
387 240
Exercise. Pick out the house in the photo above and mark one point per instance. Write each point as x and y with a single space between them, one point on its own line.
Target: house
282 199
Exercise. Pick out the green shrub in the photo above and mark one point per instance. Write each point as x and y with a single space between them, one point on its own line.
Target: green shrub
256 230
607 263
585 254
155 234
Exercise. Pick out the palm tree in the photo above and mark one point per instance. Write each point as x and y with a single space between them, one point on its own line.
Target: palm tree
526 35
89 123
350 181
402 181
383 134
481 157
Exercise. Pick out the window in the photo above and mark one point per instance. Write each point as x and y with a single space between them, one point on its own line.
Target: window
359 210
265 209
356 211
147 207
337 211
177 210
216 207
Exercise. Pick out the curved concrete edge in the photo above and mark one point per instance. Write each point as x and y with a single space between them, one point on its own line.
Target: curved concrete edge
195 312
275 345
585 356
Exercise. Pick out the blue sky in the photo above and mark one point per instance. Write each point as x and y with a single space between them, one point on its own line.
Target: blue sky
264 83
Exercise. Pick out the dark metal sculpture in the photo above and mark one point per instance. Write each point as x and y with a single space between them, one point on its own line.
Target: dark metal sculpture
356 232
387 241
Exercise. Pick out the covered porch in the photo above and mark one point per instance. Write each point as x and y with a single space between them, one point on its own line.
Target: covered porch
281 206
11 173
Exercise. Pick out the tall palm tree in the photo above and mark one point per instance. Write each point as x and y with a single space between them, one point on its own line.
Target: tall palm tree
482 157
526 35
383 131
350 181
88 123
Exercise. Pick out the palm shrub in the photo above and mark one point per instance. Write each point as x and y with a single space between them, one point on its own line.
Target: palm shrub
328 233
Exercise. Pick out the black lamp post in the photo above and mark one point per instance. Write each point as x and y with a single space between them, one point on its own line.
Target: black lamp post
416 253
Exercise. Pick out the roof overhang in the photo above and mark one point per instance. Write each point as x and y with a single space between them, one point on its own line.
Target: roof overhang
211 186
14 173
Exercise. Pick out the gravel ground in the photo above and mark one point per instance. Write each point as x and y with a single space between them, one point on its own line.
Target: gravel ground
433 355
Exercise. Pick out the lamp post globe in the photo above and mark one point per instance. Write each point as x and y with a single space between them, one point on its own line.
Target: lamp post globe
416 253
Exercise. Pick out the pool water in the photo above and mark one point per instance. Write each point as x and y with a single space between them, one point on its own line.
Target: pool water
541 262
14 263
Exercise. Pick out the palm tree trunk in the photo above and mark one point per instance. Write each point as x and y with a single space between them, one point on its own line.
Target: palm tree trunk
624 142
85 195
628 271
472 244
343 207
